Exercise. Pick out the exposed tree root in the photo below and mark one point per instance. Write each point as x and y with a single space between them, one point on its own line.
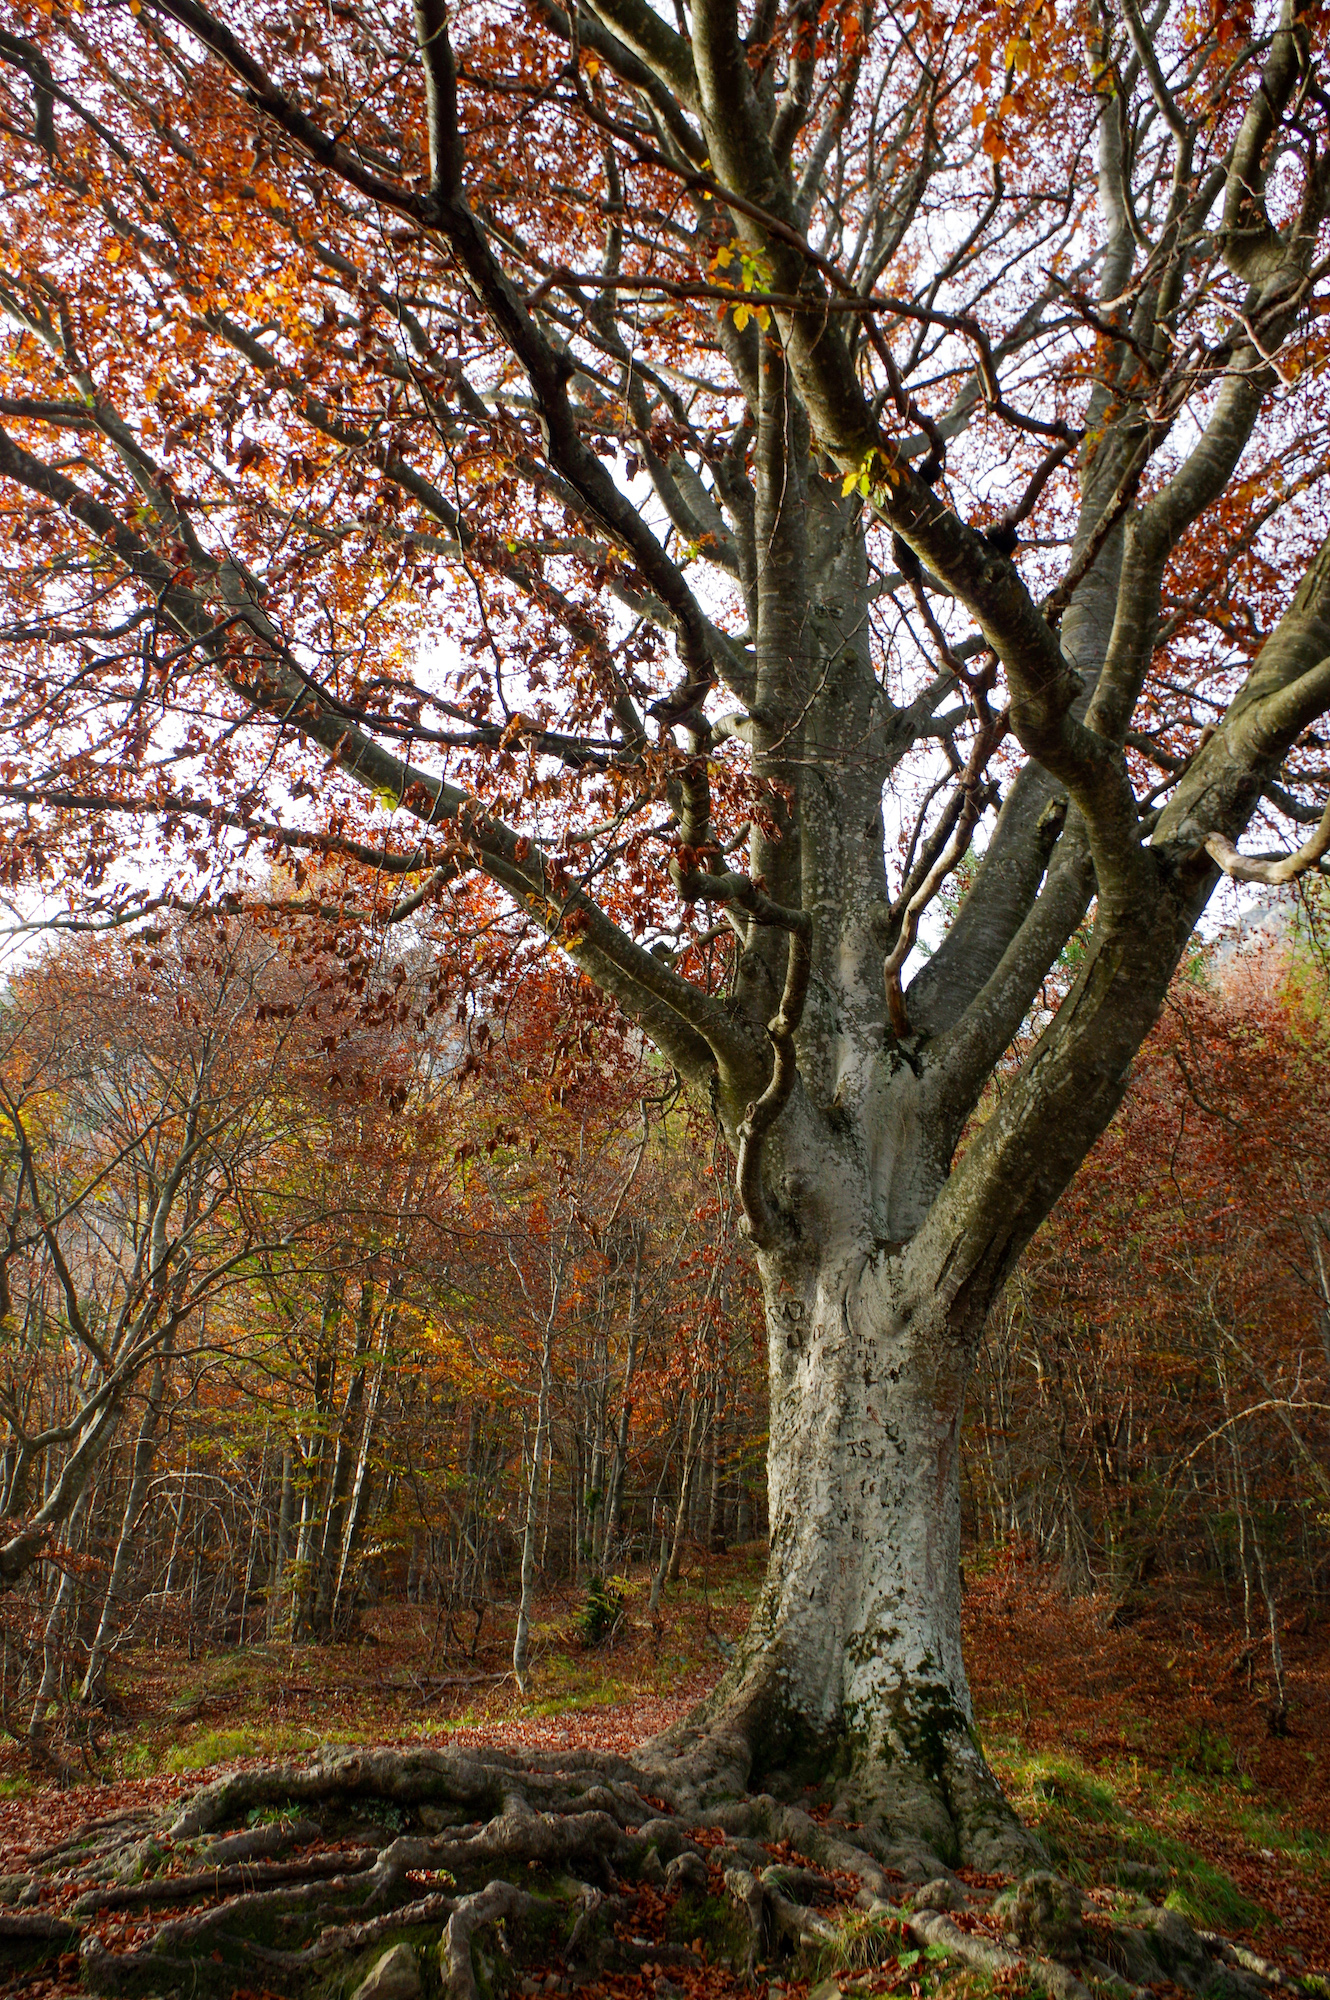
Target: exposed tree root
939 1806
495 1874
492 1904
933 1928
177 1889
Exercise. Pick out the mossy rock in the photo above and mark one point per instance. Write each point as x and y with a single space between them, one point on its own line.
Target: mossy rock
394 1975
712 1921
1045 1912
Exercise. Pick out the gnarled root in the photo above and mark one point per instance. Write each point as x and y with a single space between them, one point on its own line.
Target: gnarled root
489 1905
920 1809
773 1915
561 1865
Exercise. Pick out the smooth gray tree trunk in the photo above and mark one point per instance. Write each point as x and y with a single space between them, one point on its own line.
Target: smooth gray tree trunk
144 1452
539 1448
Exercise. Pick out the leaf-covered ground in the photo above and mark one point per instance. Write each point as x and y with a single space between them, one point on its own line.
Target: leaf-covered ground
1137 1745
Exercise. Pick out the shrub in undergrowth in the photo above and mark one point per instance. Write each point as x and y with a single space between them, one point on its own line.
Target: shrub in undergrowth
602 1610
1205 1752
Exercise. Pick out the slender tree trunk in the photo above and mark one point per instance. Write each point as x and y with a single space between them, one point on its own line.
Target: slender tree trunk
278 1611
251 1561
176 1529
548 1515
716 1497
57 1626
1316 1230
196 1573
696 1429
618 1466
358 1506
1278 1710
144 1451
339 1484
521 1639
313 1456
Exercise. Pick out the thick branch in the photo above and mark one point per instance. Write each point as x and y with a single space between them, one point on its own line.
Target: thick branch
1274 869
761 1223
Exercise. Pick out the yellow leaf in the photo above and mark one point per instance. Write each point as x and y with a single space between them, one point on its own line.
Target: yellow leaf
724 257
741 317
114 253
848 484
592 67
763 317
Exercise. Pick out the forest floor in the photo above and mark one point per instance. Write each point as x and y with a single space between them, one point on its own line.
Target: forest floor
1141 1742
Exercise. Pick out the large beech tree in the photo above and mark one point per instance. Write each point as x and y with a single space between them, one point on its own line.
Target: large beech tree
705 469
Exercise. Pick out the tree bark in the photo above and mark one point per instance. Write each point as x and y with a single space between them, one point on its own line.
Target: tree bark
851 1675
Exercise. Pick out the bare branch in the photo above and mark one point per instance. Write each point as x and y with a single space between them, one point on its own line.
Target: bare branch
1274 869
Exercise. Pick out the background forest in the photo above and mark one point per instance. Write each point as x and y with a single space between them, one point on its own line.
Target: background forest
392 1294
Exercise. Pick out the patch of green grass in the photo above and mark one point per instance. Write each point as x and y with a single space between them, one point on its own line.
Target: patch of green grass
1265 1828
136 1756
16 1788
444 1725
1083 1820
864 1942
270 1815
238 1671
598 1694
221 1746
